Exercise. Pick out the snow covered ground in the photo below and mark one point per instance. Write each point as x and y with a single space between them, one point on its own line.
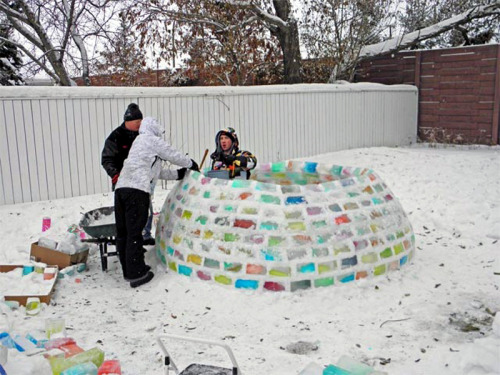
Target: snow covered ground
433 317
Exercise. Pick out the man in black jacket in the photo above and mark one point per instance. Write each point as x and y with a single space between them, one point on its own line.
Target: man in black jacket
116 150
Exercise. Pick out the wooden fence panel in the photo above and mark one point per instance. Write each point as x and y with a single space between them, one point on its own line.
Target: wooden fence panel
459 90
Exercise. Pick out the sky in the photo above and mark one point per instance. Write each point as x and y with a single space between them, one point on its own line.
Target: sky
434 316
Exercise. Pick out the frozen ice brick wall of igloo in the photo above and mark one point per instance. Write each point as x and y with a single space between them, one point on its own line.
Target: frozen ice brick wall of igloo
295 225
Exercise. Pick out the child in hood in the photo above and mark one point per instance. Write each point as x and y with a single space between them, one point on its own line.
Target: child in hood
133 192
227 155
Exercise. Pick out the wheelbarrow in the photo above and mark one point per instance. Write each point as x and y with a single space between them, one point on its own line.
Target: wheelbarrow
103 234
195 368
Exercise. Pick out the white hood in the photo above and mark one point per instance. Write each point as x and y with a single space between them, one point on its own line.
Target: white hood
142 168
150 126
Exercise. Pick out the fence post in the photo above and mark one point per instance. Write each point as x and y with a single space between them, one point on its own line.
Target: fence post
418 63
496 104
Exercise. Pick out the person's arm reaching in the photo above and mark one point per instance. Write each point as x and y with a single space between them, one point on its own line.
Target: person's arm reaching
108 157
168 153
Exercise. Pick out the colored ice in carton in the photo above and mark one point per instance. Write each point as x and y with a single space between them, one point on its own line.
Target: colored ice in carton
8 342
37 338
110 367
33 305
87 368
54 326
94 355
4 354
354 367
71 350
334 370
13 305
54 353
25 343
58 342
312 369
49 273
28 268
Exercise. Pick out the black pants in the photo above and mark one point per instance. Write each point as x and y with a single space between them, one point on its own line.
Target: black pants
131 214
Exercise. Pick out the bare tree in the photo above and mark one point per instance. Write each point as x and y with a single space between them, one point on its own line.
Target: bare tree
336 30
222 19
122 55
50 33
350 31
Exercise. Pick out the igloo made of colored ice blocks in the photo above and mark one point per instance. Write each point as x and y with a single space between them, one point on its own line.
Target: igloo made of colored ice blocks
294 225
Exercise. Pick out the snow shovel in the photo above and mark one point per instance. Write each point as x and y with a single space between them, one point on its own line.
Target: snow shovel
195 368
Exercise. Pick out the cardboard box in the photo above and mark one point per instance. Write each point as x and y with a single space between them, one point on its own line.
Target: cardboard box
58 258
44 298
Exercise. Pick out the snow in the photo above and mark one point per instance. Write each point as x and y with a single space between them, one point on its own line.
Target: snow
415 321
139 92
13 283
102 220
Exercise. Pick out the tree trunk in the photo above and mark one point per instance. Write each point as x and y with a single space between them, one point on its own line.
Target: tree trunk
81 46
53 55
289 41
61 73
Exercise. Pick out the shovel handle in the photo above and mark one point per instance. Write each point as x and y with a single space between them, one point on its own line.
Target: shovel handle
204 157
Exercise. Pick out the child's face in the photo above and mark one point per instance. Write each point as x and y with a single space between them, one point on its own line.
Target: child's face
225 142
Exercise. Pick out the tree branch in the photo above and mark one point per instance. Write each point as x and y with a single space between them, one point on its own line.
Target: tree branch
11 12
410 39
186 17
26 33
259 12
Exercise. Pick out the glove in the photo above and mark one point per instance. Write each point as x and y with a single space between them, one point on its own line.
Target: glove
181 173
114 180
228 159
194 166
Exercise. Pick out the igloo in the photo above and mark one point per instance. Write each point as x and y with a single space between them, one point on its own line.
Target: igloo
294 225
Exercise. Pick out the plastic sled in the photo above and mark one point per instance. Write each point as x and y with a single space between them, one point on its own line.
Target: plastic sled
196 368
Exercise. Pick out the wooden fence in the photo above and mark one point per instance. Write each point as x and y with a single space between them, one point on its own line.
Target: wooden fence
459 90
51 138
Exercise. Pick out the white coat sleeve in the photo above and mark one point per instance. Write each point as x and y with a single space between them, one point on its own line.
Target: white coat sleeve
168 153
168 174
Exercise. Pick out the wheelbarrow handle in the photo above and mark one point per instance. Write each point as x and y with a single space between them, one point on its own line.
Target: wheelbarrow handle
236 370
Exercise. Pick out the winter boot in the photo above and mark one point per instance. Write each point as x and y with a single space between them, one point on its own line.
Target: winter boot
148 268
142 280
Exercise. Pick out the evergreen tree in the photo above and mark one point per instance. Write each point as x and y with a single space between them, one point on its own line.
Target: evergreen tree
10 60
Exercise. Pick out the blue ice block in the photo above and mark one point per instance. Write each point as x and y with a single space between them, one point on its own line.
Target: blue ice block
87 368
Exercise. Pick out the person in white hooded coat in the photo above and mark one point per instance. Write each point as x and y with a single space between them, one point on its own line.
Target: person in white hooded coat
133 191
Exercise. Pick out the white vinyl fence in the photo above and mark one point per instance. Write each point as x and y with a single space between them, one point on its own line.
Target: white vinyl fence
51 137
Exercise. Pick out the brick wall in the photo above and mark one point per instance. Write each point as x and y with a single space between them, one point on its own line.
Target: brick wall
459 90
